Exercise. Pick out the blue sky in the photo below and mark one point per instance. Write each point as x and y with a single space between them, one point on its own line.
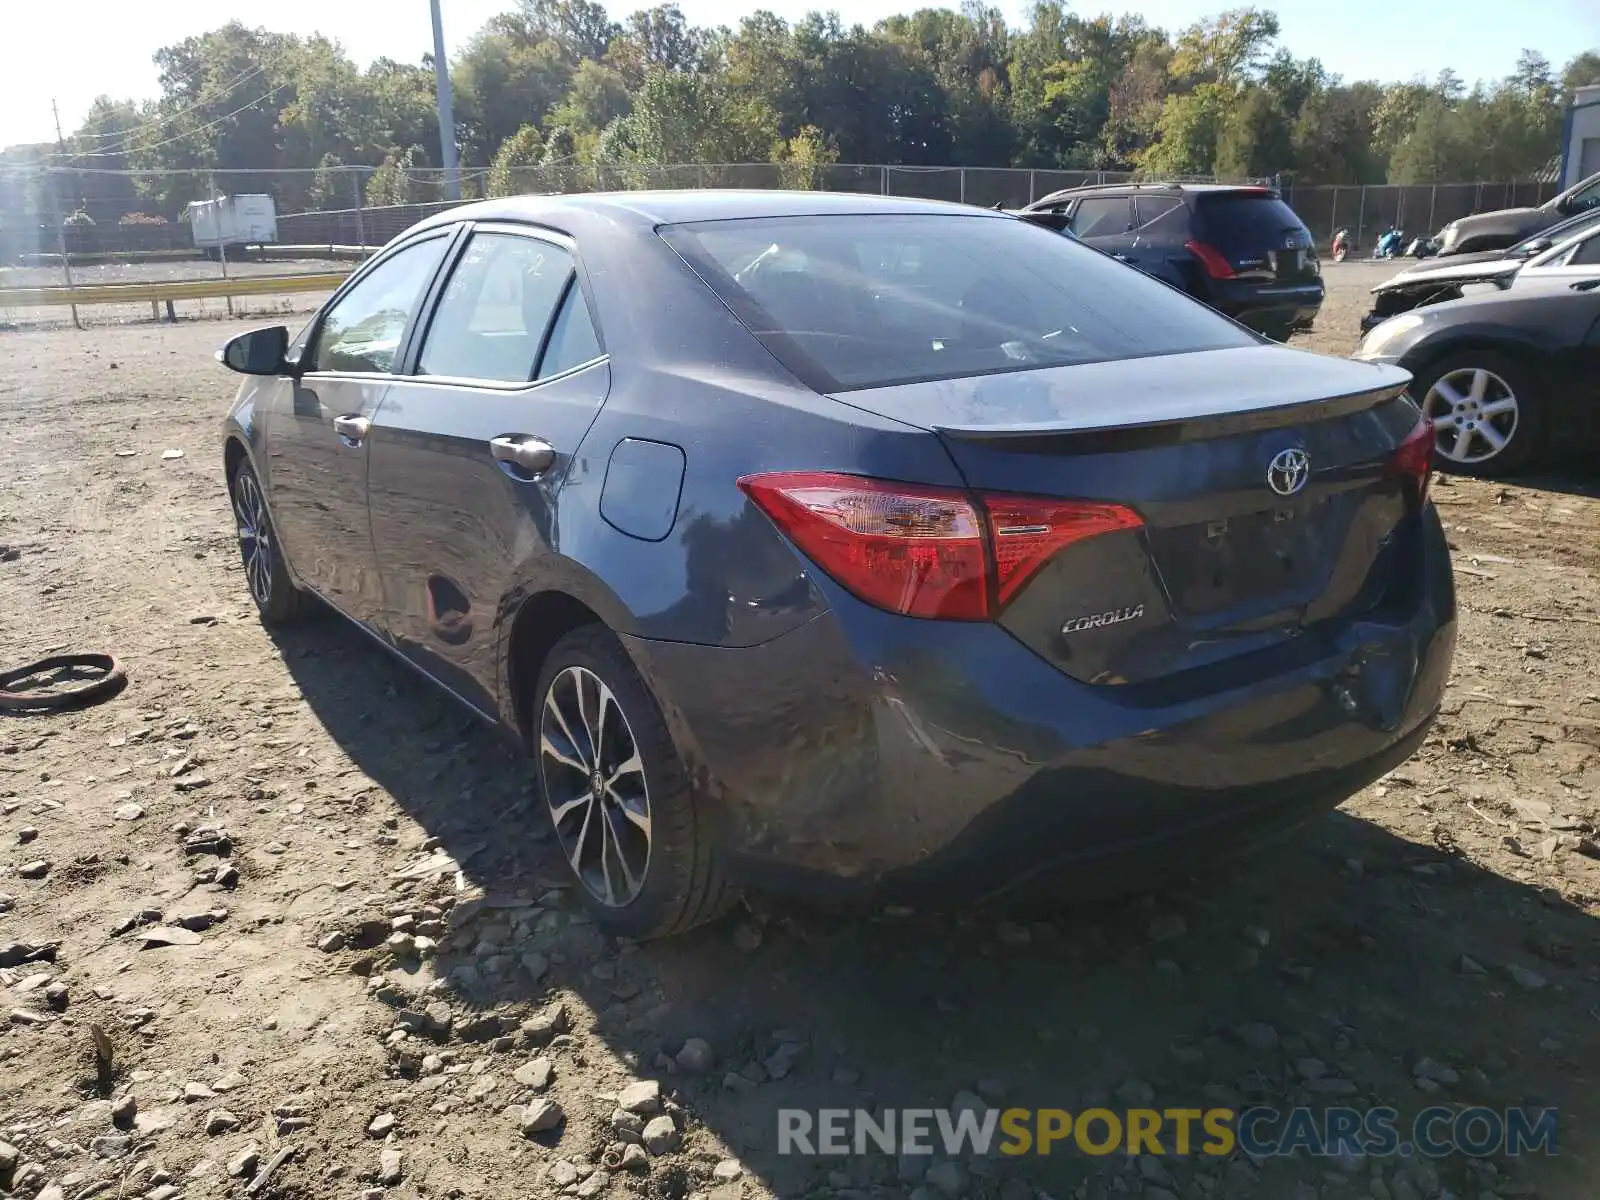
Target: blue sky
109 45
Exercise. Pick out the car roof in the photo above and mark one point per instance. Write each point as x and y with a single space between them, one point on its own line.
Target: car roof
1134 189
651 208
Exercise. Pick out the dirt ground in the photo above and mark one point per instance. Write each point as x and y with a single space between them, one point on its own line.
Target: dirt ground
378 973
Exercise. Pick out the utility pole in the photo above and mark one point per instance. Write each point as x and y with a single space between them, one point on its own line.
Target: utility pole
55 212
447 120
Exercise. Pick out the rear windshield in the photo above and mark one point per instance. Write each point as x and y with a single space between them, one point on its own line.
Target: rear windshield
868 300
1250 223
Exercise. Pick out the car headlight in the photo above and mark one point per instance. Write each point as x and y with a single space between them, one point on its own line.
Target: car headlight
1392 330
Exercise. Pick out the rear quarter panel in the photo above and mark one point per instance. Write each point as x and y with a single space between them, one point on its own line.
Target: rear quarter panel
722 575
687 374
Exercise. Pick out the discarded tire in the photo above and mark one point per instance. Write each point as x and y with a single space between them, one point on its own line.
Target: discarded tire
107 680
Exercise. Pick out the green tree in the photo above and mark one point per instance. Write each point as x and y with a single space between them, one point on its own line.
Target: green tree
502 78
964 53
1253 139
1582 71
1226 49
560 147
1332 137
1395 115
511 172
1186 135
597 97
928 86
803 159
656 39
581 28
1137 103
397 181
680 117
1294 81
1435 150
102 142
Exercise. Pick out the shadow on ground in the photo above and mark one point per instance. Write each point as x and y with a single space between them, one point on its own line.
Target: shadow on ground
1170 1001
1568 475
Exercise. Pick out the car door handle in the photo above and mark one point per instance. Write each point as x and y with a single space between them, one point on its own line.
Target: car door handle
523 451
352 428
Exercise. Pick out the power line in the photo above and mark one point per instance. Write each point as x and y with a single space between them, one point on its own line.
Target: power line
158 121
126 150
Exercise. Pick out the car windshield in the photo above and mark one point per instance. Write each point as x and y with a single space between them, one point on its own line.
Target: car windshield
1585 196
1545 238
1563 244
869 300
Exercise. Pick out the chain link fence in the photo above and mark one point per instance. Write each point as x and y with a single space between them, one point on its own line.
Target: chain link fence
1420 209
109 225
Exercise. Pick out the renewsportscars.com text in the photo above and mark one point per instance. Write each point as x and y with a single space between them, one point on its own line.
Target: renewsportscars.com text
1261 1132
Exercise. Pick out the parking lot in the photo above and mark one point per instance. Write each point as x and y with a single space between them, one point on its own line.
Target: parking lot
1434 941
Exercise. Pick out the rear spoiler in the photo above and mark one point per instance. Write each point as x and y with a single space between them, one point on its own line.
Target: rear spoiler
1100 438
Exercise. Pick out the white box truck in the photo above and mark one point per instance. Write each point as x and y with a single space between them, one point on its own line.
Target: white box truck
233 221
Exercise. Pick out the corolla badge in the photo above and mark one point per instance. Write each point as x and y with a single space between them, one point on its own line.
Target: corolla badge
1289 471
1099 620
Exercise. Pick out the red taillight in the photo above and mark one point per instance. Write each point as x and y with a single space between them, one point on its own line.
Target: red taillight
925 551
1414 457
1029 530
1213 260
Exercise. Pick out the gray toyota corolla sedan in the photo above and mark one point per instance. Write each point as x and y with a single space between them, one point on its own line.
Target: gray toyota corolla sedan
850 544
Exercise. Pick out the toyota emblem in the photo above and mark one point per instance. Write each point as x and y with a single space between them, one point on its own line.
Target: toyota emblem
1289 471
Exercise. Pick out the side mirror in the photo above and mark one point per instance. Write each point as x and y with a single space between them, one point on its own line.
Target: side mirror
1537 246
259 352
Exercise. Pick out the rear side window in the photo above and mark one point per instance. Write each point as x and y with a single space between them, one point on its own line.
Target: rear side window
572 340
1102 216
1241 223
867 300
1152 213
491 320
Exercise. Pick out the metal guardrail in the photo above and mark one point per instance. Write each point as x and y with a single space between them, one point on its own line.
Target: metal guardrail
158 291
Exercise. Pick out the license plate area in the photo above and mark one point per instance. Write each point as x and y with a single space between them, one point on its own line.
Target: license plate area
1215 565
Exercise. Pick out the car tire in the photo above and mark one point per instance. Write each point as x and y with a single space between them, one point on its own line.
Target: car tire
643 855
1488 411
265 571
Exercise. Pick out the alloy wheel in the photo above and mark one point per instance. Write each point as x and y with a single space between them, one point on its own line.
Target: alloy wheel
255 536
594 784
1474 414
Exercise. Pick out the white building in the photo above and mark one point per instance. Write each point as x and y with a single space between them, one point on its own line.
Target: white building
1580 148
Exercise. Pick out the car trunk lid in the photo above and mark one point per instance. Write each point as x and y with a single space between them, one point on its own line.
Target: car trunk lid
1264 478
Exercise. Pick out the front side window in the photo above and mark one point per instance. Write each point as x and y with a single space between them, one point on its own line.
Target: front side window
491 320
362 331
869 300
1587 253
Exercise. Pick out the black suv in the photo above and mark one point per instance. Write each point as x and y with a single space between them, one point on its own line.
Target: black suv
1241 250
